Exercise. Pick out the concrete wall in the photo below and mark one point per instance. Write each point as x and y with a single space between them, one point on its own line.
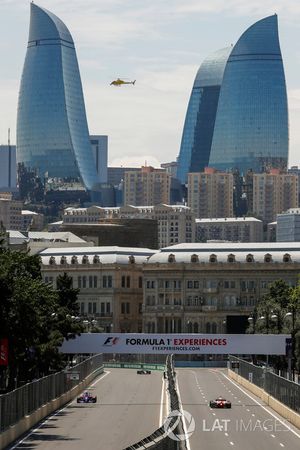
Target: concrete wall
15 431
277 406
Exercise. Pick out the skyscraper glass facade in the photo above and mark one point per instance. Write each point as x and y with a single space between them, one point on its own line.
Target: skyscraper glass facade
200 117
251 128
237 116
52 130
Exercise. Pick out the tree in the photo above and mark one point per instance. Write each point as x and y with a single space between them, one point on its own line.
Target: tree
34 317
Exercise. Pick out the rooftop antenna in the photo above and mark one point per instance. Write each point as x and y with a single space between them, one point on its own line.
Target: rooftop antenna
9 158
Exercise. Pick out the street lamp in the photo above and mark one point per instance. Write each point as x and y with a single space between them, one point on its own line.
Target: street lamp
291 355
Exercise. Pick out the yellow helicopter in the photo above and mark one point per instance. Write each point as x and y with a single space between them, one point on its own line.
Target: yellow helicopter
119 82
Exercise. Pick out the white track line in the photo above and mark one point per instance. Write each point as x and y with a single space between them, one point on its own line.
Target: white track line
50 417
161 402
263 407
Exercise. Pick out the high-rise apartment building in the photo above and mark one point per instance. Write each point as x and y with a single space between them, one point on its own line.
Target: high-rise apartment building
148 186
99 146
210 193
8 170
237 229
274 193
237 116
52 130
10 212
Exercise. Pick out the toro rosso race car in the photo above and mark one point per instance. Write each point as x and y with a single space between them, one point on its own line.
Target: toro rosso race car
143 372
220 402
86 397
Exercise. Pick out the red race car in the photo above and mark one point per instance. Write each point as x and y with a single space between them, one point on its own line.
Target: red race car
220 402
86 397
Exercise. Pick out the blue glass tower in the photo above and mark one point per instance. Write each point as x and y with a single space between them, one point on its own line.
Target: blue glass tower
251 128
52 130
201 114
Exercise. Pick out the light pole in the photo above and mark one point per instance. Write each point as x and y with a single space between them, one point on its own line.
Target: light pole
291 354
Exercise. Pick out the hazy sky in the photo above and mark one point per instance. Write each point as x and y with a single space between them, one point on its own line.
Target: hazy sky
161 44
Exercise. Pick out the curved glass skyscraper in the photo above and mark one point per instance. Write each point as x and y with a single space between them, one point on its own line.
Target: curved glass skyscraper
237 116
200 117
251 128
52 130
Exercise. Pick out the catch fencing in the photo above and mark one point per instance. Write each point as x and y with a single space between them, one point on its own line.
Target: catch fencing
160 439
23 401
285 391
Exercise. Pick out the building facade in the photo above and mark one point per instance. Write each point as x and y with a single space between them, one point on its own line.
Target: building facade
32 220
100 151
273 193
201 115
52 130
210 193
212 288
8 168
175 223
237 117
288 226
10 212
148 186
110 280
238 229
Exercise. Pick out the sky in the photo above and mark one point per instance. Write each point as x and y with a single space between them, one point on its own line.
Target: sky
161 44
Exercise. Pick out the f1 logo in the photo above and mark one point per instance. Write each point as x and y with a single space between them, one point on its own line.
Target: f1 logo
111 340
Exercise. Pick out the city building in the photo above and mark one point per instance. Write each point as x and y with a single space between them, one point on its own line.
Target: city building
37 241
288 226
212 288
52 130
210 193
237 117
8 169
148 186
238 229
110 280
273 193
175 223
171 168
201 115
10 212
116 175
100 150
32 220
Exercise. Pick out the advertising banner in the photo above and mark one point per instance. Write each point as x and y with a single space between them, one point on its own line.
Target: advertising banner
4 352
237 344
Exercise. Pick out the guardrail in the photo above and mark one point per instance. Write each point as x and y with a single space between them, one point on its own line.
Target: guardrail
23 401
283 390
123 365
160 439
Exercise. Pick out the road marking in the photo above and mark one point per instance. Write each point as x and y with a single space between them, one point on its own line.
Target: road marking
187 440
248 410
161 403
262 406
226 434
231 443
281 445
50 417
273 435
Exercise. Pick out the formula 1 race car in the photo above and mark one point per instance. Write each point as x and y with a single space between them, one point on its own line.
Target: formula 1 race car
143 372
220 402
86 397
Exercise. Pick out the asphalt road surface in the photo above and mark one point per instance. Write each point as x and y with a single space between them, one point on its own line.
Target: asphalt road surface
249 425
128 408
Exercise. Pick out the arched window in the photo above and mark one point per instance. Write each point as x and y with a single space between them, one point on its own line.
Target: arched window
189 327
214 327
231 258
287 258
131 259
249 258
196 327
85 259
268 258
213 258
194 258
207 327
74 259
63 260
171 258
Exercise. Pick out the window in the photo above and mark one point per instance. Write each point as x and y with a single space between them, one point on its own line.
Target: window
123 281
190 284
109 281
95 281
140 282
81 308
108 308
90 281
104 281
128 282
125 308
140 308
102 308
90 308
94 307
84 282
79 282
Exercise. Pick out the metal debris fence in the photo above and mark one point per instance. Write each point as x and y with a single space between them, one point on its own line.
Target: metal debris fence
285 391
23 401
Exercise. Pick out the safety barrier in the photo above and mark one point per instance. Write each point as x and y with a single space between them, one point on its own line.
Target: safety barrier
160 439
123 365
24 407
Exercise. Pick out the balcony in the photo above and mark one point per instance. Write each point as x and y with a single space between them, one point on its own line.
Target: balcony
210 290
158 308
209 308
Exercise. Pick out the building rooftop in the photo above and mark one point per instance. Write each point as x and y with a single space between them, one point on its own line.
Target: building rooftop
228 219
